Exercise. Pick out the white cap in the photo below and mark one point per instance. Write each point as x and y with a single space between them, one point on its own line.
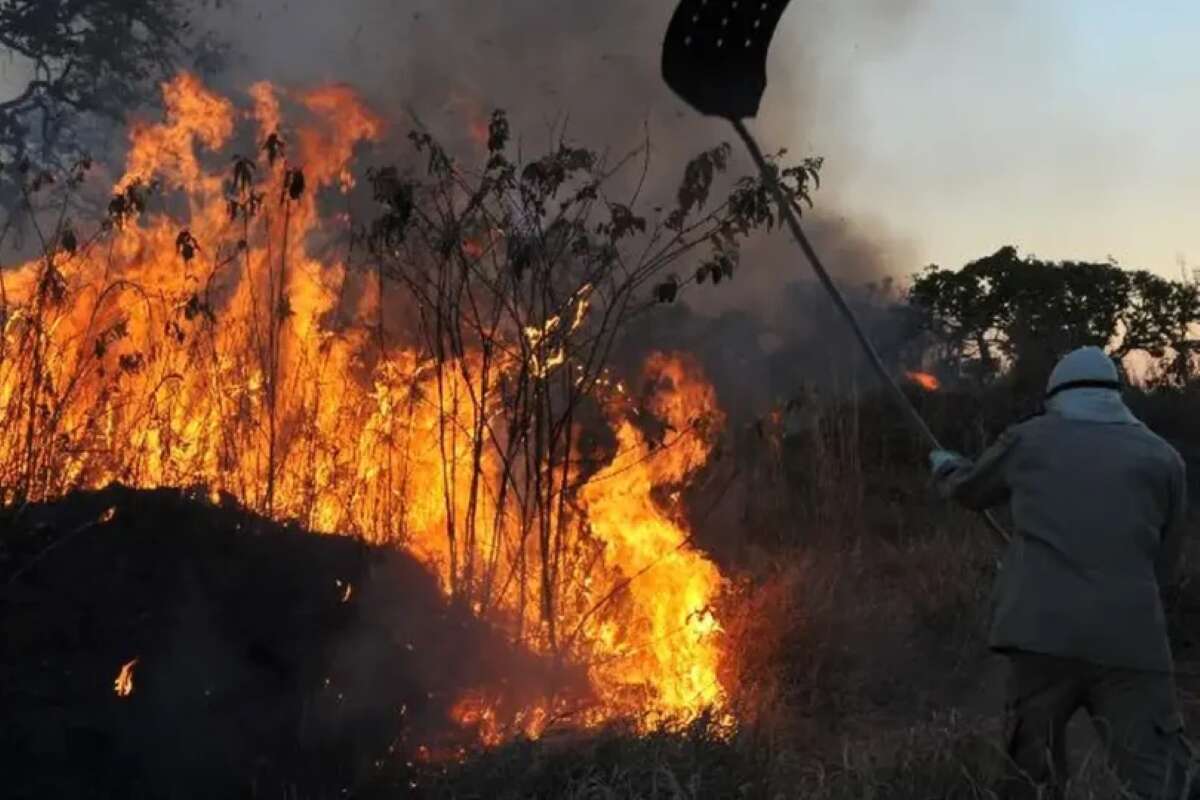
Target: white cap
1087 366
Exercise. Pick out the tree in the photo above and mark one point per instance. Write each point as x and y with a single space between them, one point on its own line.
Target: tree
86 61
1013 316
537 269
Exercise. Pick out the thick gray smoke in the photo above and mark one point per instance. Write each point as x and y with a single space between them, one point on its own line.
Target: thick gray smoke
593 67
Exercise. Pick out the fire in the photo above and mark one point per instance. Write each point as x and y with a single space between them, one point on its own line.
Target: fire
546 352
669 640
123 685
926 381
228 344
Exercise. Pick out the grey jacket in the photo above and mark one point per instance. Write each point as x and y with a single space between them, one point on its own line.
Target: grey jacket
1099 512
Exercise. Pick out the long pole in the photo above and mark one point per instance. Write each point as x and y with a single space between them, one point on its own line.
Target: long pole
793 223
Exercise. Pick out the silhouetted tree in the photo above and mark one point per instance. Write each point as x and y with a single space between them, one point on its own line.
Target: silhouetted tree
1004 314
82 61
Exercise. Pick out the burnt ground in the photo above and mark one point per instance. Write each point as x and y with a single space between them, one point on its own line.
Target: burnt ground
255 676
256 679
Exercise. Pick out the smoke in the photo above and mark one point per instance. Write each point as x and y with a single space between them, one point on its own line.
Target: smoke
592 70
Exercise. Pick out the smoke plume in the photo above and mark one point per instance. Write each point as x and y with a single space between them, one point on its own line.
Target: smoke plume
591 69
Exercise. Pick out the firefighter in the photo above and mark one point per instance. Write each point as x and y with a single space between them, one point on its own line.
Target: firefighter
1098 505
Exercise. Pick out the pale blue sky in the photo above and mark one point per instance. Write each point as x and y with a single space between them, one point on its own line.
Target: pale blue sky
1070 129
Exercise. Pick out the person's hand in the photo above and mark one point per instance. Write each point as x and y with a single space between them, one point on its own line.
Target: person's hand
943 461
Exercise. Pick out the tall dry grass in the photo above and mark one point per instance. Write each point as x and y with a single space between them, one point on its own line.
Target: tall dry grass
856 631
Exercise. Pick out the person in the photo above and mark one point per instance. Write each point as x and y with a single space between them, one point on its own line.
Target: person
1098 504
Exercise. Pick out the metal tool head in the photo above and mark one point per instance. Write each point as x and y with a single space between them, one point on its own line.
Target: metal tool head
715 54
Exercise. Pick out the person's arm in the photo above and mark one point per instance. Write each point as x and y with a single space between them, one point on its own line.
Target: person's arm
981 484
1172 534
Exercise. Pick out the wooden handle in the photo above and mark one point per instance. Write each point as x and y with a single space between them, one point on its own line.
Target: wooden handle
793 223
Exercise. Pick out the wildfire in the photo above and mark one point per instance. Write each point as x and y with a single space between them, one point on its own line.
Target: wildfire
223 358
548 351
123 685
926 381
671 596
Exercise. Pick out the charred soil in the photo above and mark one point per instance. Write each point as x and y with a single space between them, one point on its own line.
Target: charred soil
268 659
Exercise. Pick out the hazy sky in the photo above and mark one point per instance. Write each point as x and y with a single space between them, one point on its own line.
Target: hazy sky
1068 128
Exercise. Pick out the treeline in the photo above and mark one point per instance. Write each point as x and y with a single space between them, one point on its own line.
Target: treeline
1008 317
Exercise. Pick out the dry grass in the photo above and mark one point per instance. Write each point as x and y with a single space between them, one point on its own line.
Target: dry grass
859 631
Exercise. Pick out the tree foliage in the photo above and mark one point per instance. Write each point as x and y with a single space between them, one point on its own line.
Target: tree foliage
1016 315
84 60
543 263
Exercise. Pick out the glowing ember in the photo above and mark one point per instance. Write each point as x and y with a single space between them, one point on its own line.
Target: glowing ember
347 590
926 381
123 685
547 350
225 344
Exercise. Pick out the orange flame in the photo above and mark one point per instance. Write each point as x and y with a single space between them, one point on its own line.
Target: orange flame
926 381
218 358
123 685
669 639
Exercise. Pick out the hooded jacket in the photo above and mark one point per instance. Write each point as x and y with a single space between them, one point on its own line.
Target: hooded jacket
1098 504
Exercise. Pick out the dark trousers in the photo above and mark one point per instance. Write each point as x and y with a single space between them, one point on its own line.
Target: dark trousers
1135 713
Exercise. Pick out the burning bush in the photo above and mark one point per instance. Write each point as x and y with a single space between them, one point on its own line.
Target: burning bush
437 376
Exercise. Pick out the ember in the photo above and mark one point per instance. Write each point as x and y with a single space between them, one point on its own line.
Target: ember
926 381
123 685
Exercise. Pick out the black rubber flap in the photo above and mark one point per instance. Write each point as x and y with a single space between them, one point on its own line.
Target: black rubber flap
715 54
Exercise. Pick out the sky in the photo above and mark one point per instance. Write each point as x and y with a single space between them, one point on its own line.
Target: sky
950 128
1067 128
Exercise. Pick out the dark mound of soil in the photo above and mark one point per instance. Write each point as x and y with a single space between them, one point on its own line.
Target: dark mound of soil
258 674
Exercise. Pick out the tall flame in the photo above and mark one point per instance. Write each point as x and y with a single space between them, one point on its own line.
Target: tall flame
214 346
669 638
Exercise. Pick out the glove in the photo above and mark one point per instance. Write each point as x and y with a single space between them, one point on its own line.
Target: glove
943 462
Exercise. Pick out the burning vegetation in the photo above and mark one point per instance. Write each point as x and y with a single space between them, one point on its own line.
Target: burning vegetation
420 359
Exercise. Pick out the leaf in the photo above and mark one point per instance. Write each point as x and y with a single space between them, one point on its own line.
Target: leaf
520 254
498 132
274 147
68 240
243 173
293 182
623 222
396 195
666 291
186 245
698 178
